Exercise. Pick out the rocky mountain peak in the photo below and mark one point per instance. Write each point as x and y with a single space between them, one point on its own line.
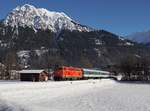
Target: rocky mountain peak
40 18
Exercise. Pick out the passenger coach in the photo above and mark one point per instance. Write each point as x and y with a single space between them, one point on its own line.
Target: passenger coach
90 73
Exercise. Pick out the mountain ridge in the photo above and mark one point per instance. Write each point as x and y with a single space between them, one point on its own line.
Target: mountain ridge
140 37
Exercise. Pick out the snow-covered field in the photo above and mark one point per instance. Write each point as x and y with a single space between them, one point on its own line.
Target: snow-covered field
87 95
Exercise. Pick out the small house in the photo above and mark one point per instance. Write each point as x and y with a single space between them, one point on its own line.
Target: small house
33 75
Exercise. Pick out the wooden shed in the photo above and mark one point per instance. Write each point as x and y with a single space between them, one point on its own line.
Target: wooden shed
33 75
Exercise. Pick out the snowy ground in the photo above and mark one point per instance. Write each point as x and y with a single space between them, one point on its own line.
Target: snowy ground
88 95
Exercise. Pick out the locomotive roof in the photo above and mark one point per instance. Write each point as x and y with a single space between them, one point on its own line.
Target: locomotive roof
93 70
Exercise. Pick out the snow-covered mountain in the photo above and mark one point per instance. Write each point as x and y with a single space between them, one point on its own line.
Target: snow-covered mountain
85 47
141 37
40 18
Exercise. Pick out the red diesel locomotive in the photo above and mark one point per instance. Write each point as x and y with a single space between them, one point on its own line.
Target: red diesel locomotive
64 73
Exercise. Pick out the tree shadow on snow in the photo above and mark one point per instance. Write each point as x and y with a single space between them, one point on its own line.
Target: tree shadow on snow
6 106
134 82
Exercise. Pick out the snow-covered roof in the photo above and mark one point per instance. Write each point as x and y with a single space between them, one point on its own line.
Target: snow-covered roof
31 71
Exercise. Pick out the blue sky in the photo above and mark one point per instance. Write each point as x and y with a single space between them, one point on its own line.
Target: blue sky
122 17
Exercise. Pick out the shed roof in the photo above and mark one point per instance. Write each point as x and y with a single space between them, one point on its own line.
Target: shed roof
31 71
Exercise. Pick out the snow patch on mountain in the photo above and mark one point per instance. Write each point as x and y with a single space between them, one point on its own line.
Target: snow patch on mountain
98 42
25 55
40 18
